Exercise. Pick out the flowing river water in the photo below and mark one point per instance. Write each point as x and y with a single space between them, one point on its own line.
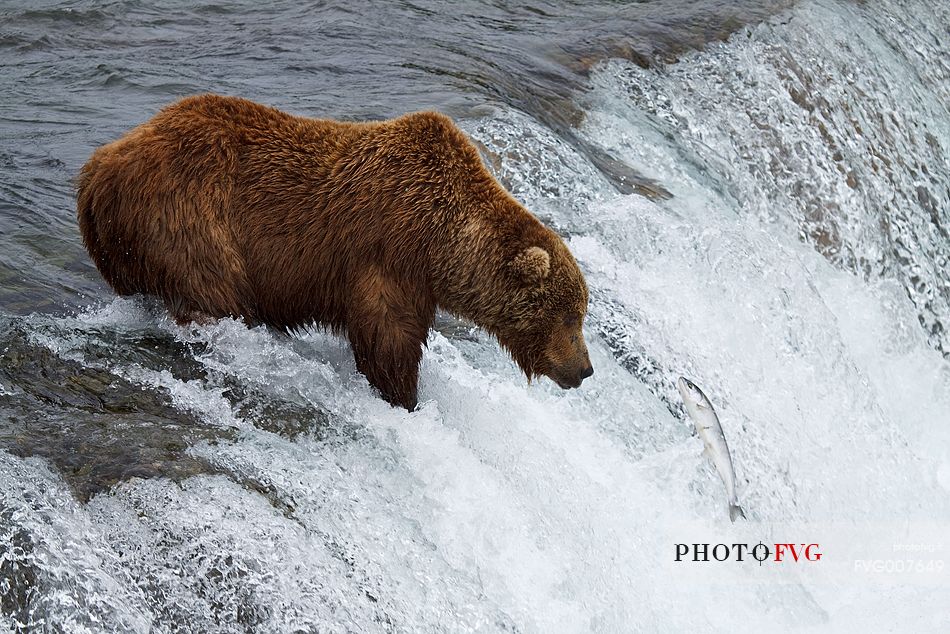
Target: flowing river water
759 196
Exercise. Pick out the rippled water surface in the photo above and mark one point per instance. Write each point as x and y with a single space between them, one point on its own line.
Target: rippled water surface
759 196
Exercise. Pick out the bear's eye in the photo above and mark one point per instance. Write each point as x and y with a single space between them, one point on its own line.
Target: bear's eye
573 338
570 320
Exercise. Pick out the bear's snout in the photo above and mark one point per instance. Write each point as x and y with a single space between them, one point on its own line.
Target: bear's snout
567 359
572 377
579 376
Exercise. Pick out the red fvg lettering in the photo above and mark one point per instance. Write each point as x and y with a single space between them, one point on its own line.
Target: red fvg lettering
796 551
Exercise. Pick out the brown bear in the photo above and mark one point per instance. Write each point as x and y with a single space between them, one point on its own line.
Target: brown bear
223 207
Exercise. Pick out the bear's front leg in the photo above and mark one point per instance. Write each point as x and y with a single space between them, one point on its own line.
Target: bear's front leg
387 327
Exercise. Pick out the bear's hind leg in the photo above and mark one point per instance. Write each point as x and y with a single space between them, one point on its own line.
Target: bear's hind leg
185 313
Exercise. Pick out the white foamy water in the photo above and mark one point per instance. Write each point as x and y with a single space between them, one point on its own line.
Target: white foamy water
502 506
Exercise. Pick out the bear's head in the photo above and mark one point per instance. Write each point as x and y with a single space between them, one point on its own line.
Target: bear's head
546 306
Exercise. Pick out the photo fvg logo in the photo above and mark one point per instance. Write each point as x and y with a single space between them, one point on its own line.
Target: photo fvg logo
762 553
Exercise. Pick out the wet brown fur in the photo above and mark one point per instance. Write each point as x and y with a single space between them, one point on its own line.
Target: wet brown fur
224 207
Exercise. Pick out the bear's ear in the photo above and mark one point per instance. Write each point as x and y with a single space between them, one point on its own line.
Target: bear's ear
532 265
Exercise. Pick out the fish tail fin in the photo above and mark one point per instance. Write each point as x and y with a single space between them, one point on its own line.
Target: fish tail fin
736 511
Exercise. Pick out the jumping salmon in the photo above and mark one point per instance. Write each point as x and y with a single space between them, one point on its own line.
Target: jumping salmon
709 429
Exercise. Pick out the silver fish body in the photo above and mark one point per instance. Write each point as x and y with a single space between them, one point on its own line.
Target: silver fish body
710 431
